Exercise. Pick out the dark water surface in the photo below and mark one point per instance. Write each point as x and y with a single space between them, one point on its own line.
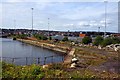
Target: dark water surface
16 52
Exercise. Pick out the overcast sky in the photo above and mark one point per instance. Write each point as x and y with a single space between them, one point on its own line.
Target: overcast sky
64 16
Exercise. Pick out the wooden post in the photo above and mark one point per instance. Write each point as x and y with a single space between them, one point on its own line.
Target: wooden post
45 60
26 60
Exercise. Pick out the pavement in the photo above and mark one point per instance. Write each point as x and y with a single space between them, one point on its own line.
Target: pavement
69 56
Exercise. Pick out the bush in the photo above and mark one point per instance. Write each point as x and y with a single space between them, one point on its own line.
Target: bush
65 38
44 37
98 40
115 40
24 72
87 40
107 41
50 38
37 36
110 40
22 36
40 37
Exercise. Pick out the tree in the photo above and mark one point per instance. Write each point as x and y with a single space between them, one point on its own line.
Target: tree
44 37
22 36
98 40
87 40
37 36
65 38
50 38
40 37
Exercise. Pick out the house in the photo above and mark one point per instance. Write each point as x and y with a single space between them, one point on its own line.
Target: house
76 39
57 37
116 35
82 35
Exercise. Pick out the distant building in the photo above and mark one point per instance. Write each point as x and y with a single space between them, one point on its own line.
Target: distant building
82 35
58 37
116 35
78 39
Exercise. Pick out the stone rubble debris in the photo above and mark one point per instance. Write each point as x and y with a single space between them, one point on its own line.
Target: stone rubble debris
114 47
74 62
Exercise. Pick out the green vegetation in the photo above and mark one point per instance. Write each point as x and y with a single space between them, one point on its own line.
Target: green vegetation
65 38
43 37
115 40
90 58
98 40
0 70
37 36
14 38
36 72
107 41
12 71
40 37
50 38
87 40
110 40
21 36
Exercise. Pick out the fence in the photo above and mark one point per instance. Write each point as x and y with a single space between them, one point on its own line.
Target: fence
33 60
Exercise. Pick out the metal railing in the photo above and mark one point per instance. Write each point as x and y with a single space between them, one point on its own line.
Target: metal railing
33 60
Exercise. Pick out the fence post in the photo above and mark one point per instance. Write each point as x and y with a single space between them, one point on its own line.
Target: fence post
62 58
26 60
38 60
34 60
12 60
45 60
52 59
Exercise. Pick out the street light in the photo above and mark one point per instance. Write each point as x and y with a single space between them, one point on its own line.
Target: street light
48 28
105 17
14 26
98 29
32 21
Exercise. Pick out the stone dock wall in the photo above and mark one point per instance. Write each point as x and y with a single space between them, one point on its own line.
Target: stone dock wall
53 47
68 55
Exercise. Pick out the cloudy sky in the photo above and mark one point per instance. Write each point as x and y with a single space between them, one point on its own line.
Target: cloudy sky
64 16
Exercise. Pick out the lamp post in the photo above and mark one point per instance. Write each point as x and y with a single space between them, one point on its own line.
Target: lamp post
14 26
48 28
105 17
98 29
32 21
